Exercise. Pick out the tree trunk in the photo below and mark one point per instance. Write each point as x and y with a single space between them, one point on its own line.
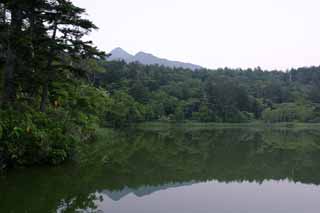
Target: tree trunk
9 94
44 96
3 37
45 87
3 13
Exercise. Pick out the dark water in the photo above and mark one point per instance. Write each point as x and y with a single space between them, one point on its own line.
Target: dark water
172 171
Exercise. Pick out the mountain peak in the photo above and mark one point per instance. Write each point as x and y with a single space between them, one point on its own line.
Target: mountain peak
119 54
118 49
148 59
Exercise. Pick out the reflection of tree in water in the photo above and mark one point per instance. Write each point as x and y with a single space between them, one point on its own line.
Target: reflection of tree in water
225 155
136 159
85 203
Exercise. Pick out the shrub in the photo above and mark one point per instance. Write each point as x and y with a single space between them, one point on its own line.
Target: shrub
31 137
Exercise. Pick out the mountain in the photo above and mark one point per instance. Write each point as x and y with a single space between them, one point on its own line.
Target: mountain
120 54
148 59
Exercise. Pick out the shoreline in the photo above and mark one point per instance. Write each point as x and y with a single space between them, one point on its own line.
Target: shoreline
251 125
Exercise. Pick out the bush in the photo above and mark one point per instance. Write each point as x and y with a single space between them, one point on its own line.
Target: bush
31 137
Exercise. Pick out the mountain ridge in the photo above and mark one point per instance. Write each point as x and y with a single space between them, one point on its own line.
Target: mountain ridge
149 59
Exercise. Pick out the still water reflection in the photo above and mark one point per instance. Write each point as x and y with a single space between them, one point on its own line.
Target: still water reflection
180 170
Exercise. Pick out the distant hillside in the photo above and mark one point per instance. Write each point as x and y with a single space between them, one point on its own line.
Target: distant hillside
149 59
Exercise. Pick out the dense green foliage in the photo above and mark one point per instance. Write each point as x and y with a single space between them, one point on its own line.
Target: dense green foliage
47 104
30 137
223 95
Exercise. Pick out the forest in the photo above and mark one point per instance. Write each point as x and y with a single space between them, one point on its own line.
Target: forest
223 95
57 88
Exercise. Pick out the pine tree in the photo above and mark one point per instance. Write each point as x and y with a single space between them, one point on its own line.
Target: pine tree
42 39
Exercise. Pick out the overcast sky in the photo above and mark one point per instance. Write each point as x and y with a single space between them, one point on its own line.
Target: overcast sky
213 33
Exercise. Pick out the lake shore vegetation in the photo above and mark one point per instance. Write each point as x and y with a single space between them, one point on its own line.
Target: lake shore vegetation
57 88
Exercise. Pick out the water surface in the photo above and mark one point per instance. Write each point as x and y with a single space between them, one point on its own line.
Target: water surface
178 170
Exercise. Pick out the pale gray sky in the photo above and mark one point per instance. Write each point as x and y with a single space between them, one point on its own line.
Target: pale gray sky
212 33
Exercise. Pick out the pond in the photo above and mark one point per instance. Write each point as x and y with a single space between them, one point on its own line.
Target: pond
224 170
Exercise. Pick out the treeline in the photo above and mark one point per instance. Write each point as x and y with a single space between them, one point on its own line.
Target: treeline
143 93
